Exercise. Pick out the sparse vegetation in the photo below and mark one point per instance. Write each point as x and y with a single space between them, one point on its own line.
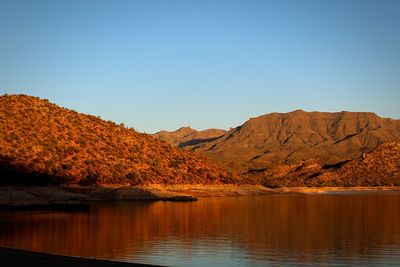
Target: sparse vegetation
43 143
380 167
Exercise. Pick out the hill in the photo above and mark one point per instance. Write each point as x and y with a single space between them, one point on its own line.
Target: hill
380 167
326 138
43 143
188 137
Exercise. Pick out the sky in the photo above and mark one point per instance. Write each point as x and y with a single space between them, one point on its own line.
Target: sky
163 64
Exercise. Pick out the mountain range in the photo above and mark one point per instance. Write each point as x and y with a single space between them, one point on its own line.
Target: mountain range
276 138
42 143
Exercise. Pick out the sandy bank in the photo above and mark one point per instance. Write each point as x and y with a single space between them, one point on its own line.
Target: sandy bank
254 190
210 190
22 258
321 190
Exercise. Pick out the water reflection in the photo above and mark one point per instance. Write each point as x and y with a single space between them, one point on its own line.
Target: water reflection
297 229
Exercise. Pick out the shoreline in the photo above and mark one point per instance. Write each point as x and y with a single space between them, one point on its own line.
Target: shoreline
23 258
79 198
202 191
338 189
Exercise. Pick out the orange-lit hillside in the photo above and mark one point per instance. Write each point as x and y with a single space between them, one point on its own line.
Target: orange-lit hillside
43 143
380 167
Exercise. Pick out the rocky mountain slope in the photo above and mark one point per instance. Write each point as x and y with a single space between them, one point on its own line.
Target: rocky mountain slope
326 138
188 137
42 143
380 167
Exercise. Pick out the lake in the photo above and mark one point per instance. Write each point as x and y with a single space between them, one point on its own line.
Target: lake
273 230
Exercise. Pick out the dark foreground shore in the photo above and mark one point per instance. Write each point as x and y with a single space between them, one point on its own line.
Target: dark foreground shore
22 258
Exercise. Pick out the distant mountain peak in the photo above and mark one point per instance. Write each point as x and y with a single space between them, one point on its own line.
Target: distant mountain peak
186 136
185 129
298 111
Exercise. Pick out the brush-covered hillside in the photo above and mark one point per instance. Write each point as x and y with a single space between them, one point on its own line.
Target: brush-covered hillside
43 143
379 167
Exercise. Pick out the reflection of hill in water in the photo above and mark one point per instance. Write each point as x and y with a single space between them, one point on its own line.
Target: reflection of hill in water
297 227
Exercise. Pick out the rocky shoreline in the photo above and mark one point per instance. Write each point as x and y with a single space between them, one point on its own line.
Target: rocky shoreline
79 198
76 198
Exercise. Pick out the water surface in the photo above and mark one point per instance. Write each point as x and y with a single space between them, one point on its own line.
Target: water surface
289 229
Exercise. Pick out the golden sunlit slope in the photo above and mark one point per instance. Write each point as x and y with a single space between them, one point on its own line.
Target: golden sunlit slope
42 142
380 167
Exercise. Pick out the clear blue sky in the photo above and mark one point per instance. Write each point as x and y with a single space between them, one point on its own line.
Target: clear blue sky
164 64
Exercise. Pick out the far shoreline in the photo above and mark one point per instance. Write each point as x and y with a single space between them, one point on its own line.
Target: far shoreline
339 189
79 198
204 191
